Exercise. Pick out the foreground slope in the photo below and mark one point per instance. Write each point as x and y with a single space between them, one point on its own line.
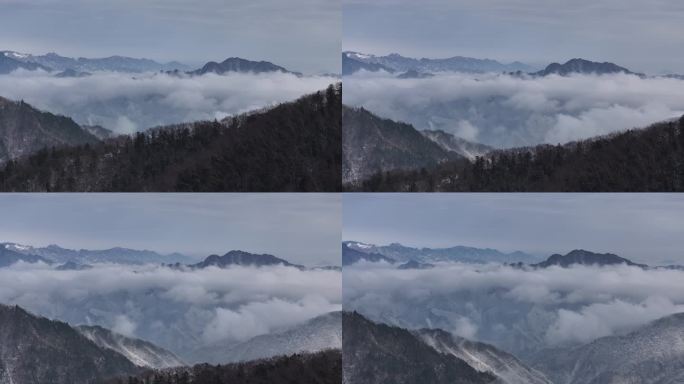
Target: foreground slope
378 353
638 160
318 334
139 352
39 351
295 146
318 368
652 354
25 130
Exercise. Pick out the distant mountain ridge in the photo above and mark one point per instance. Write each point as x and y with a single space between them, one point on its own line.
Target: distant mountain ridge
400 253
55 62
583 257
237 64
397 62
583 66
351 256
117 255
245 259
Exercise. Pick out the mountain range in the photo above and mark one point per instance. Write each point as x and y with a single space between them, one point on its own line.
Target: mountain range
56 254
294 146
643 159
583 257
394 62
353 251
55 62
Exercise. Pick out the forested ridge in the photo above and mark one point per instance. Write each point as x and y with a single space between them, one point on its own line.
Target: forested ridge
643 160
294 146
317 368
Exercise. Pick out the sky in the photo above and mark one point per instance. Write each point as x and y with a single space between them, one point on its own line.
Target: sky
643 35
647 228
302 229
301 35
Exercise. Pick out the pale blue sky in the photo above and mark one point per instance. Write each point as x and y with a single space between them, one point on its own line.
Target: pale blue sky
643 227
301 35
302 228
644 35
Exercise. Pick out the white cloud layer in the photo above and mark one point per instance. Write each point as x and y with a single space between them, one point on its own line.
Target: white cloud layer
507 111
127 103
517 310
179 310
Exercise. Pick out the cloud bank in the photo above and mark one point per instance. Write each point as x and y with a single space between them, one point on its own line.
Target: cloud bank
177 309
518 310
126 103
507 111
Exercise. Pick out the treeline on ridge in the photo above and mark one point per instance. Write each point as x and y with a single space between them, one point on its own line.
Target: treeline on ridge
323 367
649 159
294 146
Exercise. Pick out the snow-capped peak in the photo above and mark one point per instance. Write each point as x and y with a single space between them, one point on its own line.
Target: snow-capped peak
17 247
15 55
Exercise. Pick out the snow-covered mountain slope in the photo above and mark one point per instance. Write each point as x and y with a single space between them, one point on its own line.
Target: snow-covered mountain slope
320 333
483 357
463 147
139 352
653 354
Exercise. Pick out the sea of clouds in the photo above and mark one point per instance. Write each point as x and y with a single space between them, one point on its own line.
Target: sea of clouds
178 309
509 111
126 103
515 309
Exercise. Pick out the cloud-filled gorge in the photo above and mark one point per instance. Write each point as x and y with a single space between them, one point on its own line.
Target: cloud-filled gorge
509 111
179 309
516 309
126 103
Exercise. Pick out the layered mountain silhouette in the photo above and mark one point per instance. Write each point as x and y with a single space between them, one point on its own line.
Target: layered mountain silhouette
25 130
646 159
294 146
11 62
651 354
351 65
9 256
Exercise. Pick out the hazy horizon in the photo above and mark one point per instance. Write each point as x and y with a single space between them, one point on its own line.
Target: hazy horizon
302 231
535 32
302 35
644 229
